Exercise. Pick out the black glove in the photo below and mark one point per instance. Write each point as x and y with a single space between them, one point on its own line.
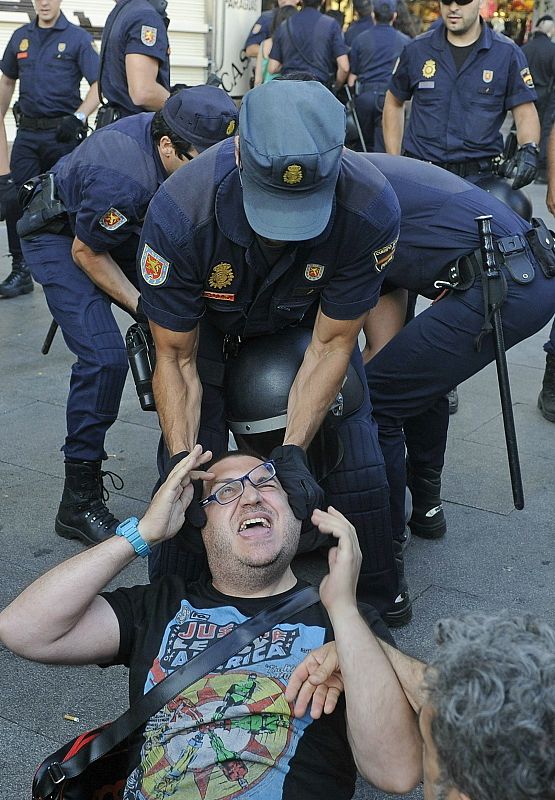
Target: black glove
194 515
71 129
302 489
8 194
177 87
525 161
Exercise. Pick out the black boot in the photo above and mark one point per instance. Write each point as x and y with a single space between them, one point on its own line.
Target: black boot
19 280
401 612
546 400
82 513
428 519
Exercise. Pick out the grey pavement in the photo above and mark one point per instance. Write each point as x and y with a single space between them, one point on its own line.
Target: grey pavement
491 557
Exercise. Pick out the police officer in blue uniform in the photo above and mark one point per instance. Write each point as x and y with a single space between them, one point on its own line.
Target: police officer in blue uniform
310 42
436 350
135 72
49 57
262 28
462 78
290 229
372 58
365 21
85 260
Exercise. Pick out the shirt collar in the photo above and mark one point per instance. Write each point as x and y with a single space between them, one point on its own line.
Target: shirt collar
60 25
484 41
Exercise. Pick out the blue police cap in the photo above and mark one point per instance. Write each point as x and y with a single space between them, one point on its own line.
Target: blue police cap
202 115
385 6
291 136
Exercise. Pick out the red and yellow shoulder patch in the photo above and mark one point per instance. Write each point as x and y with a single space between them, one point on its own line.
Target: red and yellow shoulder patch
154 268
112 220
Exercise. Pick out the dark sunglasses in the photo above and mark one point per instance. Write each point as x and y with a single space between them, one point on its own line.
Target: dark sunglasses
457 2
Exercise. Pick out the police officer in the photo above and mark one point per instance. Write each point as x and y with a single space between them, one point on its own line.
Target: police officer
310 42
290 229
462 77
540 54
49 56
262 28
364 22
85 260
436 350
372 58
135 55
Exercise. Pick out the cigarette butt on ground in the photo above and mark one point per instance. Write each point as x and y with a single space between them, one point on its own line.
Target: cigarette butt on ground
71 718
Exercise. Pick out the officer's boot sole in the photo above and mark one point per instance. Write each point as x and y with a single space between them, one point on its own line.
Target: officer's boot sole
546 413
428 531
69 532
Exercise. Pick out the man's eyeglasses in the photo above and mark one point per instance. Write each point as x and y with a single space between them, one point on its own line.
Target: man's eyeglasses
233 489
457 2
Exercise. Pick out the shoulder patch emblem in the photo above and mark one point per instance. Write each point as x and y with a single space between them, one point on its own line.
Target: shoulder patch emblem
313 272
154 268
429 68
112 220
256 28
487 75
24 45
526 76
149 35
221 276
384 255
293 175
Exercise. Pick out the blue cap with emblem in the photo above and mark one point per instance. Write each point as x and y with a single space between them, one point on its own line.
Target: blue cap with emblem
201 115
291 136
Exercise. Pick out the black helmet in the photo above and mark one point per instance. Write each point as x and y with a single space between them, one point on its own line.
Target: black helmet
257 385
514 198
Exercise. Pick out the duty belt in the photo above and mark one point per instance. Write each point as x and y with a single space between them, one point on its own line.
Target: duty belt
39 123
462 168
514 257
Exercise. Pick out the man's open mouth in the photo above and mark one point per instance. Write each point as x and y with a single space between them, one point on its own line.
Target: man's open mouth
254 524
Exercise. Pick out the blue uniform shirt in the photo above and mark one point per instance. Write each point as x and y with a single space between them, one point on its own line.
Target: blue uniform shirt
261 28
107 183
457 117
138 29
317 44
356 28
50 63
199 256
375 51
438 225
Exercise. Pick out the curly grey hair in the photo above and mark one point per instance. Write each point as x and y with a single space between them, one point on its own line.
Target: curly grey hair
492 688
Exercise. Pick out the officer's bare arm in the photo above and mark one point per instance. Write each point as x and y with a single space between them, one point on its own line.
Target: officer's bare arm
177 387
7 87
320 376
252 50
393 122
273 66
527 123
144 91
91 100
550 199
384 321
342 70
105 273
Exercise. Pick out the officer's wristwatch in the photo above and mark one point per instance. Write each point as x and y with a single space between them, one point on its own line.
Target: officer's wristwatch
81 116
535 145
129 530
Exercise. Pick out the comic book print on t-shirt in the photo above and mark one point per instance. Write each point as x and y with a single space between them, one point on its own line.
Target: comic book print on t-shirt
232 733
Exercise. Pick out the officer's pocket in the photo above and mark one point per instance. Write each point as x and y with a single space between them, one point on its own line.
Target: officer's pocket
287 309
481 122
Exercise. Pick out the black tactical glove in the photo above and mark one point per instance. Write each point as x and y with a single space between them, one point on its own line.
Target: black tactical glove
71 129
302 489
525 162
8 194
194 515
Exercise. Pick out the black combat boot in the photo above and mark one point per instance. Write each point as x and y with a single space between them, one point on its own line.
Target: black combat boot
82 513
428 519
19 280
546 400
401 612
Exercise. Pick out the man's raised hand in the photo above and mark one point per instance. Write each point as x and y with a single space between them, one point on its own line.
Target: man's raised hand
338 588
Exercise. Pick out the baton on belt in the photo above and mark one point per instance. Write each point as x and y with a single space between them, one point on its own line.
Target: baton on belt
494 295
49 337
352 109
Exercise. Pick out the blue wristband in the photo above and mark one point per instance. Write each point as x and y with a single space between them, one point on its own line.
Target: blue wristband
129 530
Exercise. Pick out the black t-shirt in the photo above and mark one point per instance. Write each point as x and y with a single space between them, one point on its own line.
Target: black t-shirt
231 734
460 54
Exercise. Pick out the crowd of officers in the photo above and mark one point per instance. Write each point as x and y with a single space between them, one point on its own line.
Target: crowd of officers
276 229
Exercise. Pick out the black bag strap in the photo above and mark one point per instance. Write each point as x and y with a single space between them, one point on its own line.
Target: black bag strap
199 666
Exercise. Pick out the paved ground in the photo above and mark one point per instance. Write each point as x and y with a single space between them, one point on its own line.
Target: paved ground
492 556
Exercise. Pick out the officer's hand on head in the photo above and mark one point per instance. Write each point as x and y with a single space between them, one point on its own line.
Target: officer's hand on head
526 163
71 129
194 514
302 489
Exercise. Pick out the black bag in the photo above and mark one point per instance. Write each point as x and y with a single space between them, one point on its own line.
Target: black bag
94 765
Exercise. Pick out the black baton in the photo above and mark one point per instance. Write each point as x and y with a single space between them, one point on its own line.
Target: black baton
494 295
49 337
352 109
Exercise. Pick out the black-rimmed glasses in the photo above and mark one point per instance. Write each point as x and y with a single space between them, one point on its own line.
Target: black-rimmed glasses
230 491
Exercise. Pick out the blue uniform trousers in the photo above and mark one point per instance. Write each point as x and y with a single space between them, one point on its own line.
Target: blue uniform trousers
435 352
357 487
369 108
84 315
33 152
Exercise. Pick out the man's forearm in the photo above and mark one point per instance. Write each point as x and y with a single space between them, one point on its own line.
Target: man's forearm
527 123
383 730
91 101
410 673
178 396
105 273
393 123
